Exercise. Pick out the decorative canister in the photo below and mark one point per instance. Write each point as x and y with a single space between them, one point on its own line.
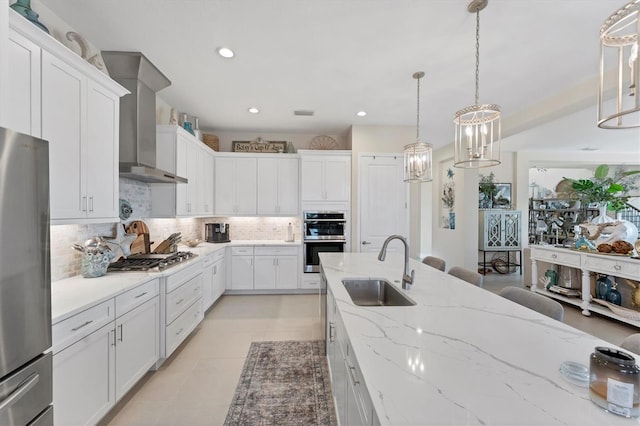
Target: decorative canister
95 263
614 381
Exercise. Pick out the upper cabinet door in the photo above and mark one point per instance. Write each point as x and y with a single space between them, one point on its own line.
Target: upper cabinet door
288 186
337 178
63 115
224 194
102 151
312 179
245 185
268 186
23 90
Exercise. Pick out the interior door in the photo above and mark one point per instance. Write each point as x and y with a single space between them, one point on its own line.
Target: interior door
383 206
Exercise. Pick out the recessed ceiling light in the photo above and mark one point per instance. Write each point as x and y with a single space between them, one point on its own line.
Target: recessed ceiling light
361 113
254 110
225 52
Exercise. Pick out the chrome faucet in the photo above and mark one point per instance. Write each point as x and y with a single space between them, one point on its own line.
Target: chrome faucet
407 279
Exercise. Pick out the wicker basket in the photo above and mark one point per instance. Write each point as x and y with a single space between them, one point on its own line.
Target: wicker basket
211 141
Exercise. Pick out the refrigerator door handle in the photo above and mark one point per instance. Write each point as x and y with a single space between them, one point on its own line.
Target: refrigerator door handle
22 389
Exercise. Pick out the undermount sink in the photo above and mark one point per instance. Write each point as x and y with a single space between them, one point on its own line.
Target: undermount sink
375 292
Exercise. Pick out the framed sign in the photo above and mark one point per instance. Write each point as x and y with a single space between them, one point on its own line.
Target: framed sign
259 145
502 199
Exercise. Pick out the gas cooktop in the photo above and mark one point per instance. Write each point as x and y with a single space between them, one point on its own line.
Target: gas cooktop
146 262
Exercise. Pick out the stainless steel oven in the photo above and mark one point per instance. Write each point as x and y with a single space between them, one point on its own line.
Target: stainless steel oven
323 231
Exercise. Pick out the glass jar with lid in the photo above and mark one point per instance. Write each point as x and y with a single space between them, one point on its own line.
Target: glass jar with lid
614 381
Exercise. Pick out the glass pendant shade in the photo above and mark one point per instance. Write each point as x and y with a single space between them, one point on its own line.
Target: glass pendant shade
477 136
418 162
620 69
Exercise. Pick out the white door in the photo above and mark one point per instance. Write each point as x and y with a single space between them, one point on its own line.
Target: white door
383 206
288 186
337 178
267 186
242 272
264 272
312 179
224 193
287 272
245 180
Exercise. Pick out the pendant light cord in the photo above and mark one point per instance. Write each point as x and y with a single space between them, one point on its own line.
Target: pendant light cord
418 114
477 55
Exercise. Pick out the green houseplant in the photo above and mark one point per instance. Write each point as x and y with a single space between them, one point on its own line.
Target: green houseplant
488 190
610 191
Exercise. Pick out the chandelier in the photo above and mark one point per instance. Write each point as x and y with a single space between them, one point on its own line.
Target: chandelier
620 69
418 155
477 127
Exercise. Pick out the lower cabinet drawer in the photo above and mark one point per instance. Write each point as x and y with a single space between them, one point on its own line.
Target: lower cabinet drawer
619 267
569 259
70 330
178 300
177 331
136 296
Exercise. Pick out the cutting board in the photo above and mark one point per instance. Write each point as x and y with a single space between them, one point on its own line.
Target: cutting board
142 244
137 227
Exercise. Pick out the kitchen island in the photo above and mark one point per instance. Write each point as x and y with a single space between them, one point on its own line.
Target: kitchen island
461 355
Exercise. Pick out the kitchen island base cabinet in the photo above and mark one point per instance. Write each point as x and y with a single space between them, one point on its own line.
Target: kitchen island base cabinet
92 369
352 401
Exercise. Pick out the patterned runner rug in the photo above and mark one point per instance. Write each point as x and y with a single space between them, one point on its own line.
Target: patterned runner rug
283 383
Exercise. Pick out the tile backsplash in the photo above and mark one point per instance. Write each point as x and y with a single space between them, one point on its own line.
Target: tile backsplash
66 262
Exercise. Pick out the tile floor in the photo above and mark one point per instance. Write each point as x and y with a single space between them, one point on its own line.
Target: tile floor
196 385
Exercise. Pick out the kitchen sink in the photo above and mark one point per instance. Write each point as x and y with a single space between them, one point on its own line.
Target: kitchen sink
375 292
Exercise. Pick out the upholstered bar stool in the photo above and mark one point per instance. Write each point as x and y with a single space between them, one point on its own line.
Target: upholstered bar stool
466 275
435 262
534 301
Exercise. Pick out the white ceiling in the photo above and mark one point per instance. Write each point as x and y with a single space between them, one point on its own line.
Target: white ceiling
339 57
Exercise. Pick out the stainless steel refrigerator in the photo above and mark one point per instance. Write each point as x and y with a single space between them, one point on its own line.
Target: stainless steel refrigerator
25 281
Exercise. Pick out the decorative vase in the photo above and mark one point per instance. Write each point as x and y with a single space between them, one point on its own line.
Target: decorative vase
196 128
23 7
603 287
452 220
602 215
614 295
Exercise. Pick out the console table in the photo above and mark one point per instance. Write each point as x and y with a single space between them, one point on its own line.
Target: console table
616 266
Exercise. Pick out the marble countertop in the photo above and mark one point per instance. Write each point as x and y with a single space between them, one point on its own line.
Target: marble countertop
462 355
72 295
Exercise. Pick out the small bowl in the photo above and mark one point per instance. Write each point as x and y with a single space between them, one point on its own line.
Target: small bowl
193 243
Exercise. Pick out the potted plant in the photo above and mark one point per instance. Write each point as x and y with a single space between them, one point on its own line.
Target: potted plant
609 192
488 190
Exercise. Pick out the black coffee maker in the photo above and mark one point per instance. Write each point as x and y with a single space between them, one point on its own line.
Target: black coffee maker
216 232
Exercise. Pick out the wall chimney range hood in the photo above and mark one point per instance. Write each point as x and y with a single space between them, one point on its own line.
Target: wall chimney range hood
137 74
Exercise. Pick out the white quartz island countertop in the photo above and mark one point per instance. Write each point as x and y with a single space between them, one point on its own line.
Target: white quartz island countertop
462 355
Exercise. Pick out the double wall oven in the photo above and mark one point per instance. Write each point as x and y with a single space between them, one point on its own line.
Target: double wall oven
323 231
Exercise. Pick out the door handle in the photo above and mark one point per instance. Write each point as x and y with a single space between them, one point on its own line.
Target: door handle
364 243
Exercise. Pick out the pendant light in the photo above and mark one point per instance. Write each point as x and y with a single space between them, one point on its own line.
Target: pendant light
477 127
620 69
418 155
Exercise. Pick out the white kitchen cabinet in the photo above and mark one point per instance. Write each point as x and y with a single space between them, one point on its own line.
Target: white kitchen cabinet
276 268
213 278
137 344
95 364
499 230
180 152
326 177
278 187
236 186
242 268
219 277
84 380
68 102
353 403
181 308
23 92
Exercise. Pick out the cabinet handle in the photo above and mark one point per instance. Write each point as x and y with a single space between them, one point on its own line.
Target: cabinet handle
617 267
121 332
179 331
215 269
554 256
113 332
331 328
84 204
81 326
140 295
179 301
364 243
90 204
20 392
353 375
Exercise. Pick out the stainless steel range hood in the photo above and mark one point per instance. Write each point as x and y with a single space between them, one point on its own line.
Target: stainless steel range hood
138 115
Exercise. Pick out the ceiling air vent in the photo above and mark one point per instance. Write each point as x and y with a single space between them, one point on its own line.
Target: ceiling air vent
303 112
